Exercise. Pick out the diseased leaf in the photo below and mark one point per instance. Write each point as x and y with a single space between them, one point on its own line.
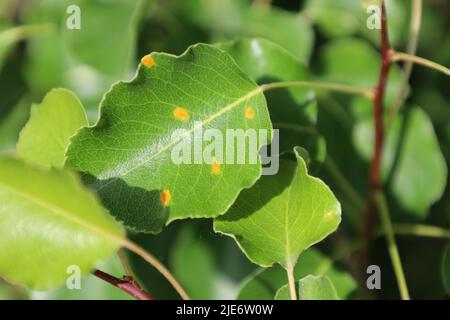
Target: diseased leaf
263 284
281 216
134 139
45 138
310 288
49 222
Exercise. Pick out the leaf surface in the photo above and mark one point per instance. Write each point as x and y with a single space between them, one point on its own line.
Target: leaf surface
48 222
45 138
134 140
281 216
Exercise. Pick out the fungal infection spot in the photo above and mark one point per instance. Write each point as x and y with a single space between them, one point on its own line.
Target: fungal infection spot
216 168
165 197
329 214
249 112
180 114
148 61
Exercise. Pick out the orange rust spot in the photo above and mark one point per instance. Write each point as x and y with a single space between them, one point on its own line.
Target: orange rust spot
249 113
148 61
216 168
165 197
181 114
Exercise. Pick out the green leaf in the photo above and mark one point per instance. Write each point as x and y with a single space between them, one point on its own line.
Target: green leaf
411 151
107 26
264 283
310 288
12 123
292 110
133 140
290 30
192 262
48 222
446 269
45 137
281 216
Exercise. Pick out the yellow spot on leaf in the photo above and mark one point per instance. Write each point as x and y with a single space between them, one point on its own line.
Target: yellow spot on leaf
216 168
148 61
329 214
249 113
180 114
165 197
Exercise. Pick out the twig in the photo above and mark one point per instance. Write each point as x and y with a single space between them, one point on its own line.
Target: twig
420 230
414 29
378 106
400 56
392 246
126 284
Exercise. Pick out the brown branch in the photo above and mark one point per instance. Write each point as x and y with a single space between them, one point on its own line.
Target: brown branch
126 284
378 107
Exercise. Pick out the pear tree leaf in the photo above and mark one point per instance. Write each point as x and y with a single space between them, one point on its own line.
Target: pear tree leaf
136 137
48 222
44 141
310 288
45 137
281 216
263 284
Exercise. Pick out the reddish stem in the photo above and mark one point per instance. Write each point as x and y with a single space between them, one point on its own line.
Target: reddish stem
126 284
378 106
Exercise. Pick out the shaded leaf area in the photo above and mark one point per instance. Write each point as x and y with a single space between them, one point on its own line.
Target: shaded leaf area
281 215
208 265
264 283
50 222
310 288
138 132
292 110
13 104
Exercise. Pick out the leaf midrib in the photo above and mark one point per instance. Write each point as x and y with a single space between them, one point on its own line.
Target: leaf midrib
211 118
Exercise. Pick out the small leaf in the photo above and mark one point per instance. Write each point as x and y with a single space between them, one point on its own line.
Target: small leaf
264 283
45 137
133 140
446 269
310 288
48 222
281 216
